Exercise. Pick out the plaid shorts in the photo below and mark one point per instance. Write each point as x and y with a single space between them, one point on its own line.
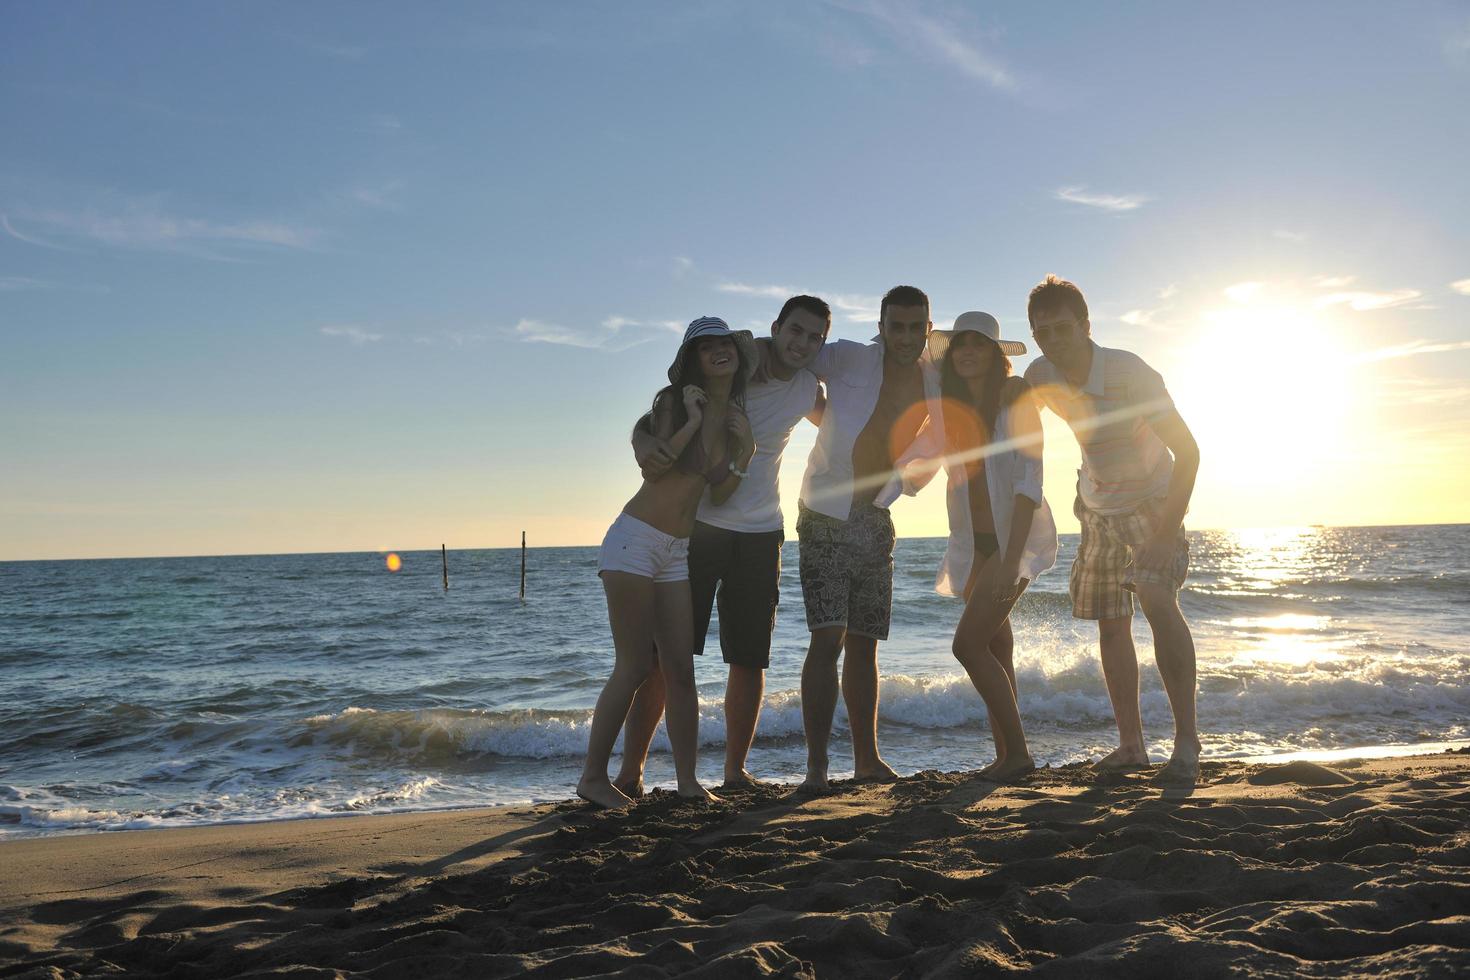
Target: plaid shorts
847 570
1103 577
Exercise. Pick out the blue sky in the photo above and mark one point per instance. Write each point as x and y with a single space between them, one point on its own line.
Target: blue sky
346 276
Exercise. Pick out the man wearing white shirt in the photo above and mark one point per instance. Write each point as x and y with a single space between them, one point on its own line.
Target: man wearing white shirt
875 409
735 551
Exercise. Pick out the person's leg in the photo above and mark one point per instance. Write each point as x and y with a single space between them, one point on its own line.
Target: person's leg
638 731
869 549
1157 589
1174 654
748 598
1097 591
743 692
1120 673
705 562
860 694
1002 648
673 629
974 642
819 701
824 592
630 612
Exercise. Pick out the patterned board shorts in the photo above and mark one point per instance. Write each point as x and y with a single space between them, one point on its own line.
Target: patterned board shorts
1103 577
847 570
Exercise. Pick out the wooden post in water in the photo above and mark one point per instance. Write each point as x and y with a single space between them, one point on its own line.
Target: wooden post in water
523 566
444 555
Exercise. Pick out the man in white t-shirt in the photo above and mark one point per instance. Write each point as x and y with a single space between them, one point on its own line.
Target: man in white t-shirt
875 408
735 550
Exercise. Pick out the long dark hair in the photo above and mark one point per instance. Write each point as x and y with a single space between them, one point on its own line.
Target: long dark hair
670 398
969 421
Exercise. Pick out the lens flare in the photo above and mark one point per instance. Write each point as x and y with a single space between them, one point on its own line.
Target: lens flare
393 562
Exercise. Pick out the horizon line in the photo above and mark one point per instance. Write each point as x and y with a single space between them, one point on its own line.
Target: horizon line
547 547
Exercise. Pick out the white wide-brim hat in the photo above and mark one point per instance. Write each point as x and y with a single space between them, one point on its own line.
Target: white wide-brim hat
973 322
713 326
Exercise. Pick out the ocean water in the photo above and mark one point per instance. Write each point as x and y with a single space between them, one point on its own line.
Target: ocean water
164 692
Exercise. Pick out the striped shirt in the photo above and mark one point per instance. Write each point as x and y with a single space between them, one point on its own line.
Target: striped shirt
1124 462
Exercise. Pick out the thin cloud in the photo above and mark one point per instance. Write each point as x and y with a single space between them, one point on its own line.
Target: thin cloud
338 51
1364 300
1141 318
1333 282
682 265
1287 235
1243 292
14 284
384 125
1169 291
769 292
28 239
1461 286
1424 391
379 196
613 334
142 226
347 331
855 307
1106 202
1412 349
1457 45
939 38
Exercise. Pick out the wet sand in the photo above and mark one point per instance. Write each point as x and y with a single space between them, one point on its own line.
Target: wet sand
1292 869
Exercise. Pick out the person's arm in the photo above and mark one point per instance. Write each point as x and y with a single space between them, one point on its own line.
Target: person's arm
918 464
828 359
663 420
1025 430
742 450
1170 428
650 452
819 407
1161 416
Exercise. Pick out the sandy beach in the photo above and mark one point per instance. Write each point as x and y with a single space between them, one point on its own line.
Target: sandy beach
1291 869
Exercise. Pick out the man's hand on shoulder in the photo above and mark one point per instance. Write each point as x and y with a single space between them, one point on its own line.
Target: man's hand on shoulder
654 457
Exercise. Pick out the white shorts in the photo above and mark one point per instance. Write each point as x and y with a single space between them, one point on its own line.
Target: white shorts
642 549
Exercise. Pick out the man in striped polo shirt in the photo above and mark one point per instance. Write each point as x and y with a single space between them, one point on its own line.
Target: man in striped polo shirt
1138 467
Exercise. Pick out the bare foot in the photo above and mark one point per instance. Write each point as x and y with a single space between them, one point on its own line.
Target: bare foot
815 782
1182 767
1122 760
1007 770
602 794
632 789
879 773
741 780
694 791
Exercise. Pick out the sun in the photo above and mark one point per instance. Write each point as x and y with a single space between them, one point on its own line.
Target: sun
1268 391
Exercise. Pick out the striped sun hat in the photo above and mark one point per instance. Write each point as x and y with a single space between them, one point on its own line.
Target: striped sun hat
713 326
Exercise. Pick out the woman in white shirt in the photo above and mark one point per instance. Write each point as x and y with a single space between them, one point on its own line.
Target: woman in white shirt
985 425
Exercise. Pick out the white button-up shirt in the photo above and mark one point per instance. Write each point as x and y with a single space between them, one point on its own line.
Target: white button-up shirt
854 376
1012 468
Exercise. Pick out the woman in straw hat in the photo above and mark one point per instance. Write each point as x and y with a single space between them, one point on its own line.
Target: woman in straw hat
644 560
986 428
